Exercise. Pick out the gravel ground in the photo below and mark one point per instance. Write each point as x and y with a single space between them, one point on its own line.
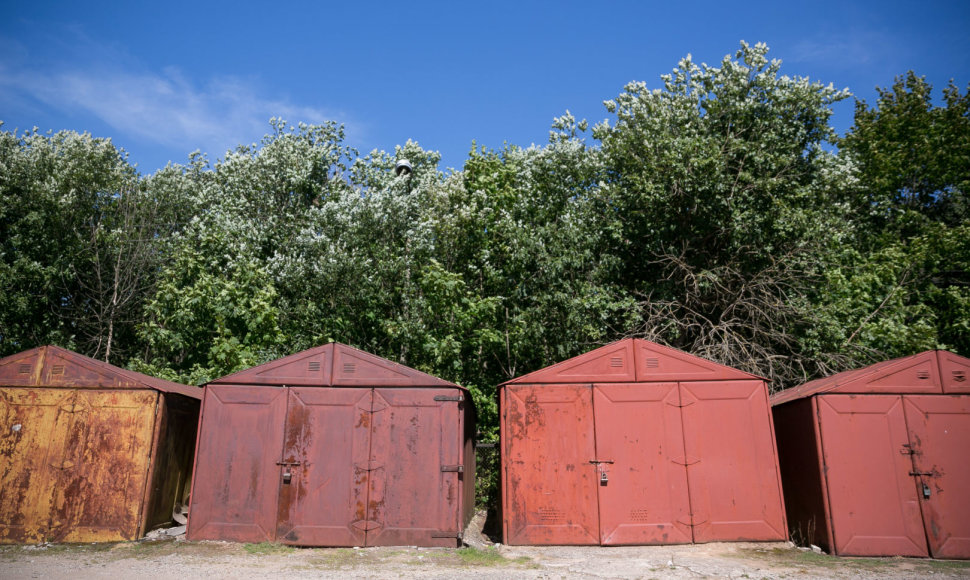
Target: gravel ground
176 559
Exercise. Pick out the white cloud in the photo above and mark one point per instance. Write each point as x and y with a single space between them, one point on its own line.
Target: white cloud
162 107
846 50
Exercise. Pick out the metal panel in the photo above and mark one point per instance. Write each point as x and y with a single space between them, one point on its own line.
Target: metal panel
234 494
732 471
415 488
611 363
872 500
101 480
550 486
327 439
955 372
657 363
940 437
33 429
643 495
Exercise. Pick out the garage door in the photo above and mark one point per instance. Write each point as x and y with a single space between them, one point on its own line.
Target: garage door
639 463
326 466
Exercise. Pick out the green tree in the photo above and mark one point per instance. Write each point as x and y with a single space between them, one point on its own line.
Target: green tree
900 283
912 156
722 192
73 244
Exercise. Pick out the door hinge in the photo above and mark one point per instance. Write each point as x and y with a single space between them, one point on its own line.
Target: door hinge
453 468
454 535
456 398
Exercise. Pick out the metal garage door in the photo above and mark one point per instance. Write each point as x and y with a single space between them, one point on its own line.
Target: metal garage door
321 466
639 463
74 463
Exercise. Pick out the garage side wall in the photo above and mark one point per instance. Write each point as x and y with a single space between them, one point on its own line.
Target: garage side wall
174 457
796 432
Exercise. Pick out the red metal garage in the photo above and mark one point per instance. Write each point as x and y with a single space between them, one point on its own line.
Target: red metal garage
90 452
333 446
637 443
876 461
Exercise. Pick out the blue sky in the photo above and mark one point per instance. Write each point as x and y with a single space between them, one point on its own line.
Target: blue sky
165 79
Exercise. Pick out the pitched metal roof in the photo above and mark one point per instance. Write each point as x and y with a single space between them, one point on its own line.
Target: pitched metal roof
333 365
928 372
53 366
632 360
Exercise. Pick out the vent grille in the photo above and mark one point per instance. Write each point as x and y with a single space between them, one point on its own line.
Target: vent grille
923 374
653 363
314 366
551 515
25 369
959 376
350 368
57 370
616 362
639 515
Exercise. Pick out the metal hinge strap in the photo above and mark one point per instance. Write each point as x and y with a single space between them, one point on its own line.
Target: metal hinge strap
454 535
453 468
455 398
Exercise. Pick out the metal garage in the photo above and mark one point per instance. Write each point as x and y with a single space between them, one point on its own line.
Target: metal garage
637 443
333 446
90 452
876 461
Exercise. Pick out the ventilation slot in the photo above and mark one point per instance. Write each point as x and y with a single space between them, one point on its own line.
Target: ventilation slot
959 376
653 363
616 362
350 368
25 369
314 366
57 370
923 375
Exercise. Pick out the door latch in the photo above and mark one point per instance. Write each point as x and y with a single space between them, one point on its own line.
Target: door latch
287 474
926 491
600 466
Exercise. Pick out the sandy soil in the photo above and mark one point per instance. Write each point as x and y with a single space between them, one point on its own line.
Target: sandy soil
176 559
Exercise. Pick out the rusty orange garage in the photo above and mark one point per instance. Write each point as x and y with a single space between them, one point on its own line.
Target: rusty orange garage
90 452
334 446
876 461
637 443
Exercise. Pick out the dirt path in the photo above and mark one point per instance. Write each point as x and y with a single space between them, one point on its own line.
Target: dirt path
180 560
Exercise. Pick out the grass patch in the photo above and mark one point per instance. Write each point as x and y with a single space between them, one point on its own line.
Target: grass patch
949 564
476 557
807 560
265 548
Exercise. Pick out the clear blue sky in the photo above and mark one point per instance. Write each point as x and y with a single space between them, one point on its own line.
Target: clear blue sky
164 79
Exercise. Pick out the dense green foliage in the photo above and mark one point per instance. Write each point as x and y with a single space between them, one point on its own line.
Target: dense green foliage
718 213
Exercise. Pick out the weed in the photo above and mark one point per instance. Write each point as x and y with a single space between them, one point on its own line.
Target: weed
264 548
